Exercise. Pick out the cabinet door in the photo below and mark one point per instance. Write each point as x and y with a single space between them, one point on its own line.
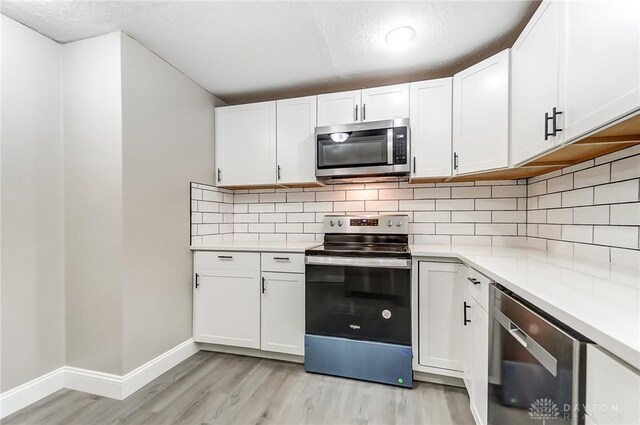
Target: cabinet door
385 103
481 115
295 140
227 308
246 144
601 63
440 312
430 118
535 65
283 313
339 108
480 362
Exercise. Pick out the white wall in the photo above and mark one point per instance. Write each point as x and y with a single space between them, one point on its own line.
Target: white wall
32 292
93 203
167 142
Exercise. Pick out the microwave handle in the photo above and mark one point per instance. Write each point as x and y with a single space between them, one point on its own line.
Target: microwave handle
390 146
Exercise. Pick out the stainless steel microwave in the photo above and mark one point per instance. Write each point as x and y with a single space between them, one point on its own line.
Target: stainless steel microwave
378 148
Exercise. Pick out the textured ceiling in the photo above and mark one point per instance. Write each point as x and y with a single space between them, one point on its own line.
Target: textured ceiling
253 50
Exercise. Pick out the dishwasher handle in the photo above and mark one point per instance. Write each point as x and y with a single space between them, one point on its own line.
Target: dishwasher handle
536 350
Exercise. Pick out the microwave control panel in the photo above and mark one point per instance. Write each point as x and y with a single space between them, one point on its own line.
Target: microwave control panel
400 145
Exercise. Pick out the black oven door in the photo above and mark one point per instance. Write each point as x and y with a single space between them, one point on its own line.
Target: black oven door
359 302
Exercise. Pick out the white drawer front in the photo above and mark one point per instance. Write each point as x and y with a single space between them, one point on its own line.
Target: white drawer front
227 260
282 262
613 389
479 287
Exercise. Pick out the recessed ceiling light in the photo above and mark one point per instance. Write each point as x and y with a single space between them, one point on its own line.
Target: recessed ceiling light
400 36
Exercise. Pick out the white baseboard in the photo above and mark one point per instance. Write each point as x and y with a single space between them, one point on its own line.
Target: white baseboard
28 393
89 381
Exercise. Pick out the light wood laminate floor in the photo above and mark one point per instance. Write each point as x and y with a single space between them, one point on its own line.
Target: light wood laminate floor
213 388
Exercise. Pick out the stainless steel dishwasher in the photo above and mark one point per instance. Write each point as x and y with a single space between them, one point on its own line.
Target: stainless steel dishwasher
536 365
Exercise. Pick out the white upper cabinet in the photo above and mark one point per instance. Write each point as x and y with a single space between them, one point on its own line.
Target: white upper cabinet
535 60
379 103
295 140
481 115
246 144
430 118
601 68
385 103
339 108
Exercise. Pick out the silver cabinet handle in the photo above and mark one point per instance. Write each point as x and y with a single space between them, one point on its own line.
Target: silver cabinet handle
281 258
225 257
536 350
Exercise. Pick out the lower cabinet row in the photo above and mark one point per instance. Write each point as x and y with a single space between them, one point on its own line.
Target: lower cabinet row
239 303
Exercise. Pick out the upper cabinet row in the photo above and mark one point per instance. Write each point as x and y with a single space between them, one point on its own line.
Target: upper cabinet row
575 68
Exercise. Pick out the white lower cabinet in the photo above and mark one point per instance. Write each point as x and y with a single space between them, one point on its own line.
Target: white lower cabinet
226 307
282 315
440 315
476 351
249 300
613 390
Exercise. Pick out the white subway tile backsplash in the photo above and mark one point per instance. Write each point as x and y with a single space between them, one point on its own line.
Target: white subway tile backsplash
591 215
625 191
591 210
471 216
471 192
362 195
432 193
591 176
626 214
578 197
454 204
384 194
618 236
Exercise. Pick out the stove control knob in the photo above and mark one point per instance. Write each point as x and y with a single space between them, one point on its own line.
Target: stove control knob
332 223
398 223
339 222
389 223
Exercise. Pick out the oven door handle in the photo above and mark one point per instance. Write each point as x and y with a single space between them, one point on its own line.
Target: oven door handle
536 350
390 263
390 146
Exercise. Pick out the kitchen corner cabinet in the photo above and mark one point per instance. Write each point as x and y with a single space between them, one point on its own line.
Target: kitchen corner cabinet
296 122
226 299
246 144
430 116
481 116
375 104
535 67
440 315
601 67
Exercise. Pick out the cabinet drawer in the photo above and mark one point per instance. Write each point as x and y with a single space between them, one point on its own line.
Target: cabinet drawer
613 389
478 285
227 260
282 262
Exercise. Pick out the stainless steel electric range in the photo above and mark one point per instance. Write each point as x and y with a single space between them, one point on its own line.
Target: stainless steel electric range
358 300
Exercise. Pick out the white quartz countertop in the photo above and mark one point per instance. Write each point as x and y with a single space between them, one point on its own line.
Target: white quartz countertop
599 300
257 246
